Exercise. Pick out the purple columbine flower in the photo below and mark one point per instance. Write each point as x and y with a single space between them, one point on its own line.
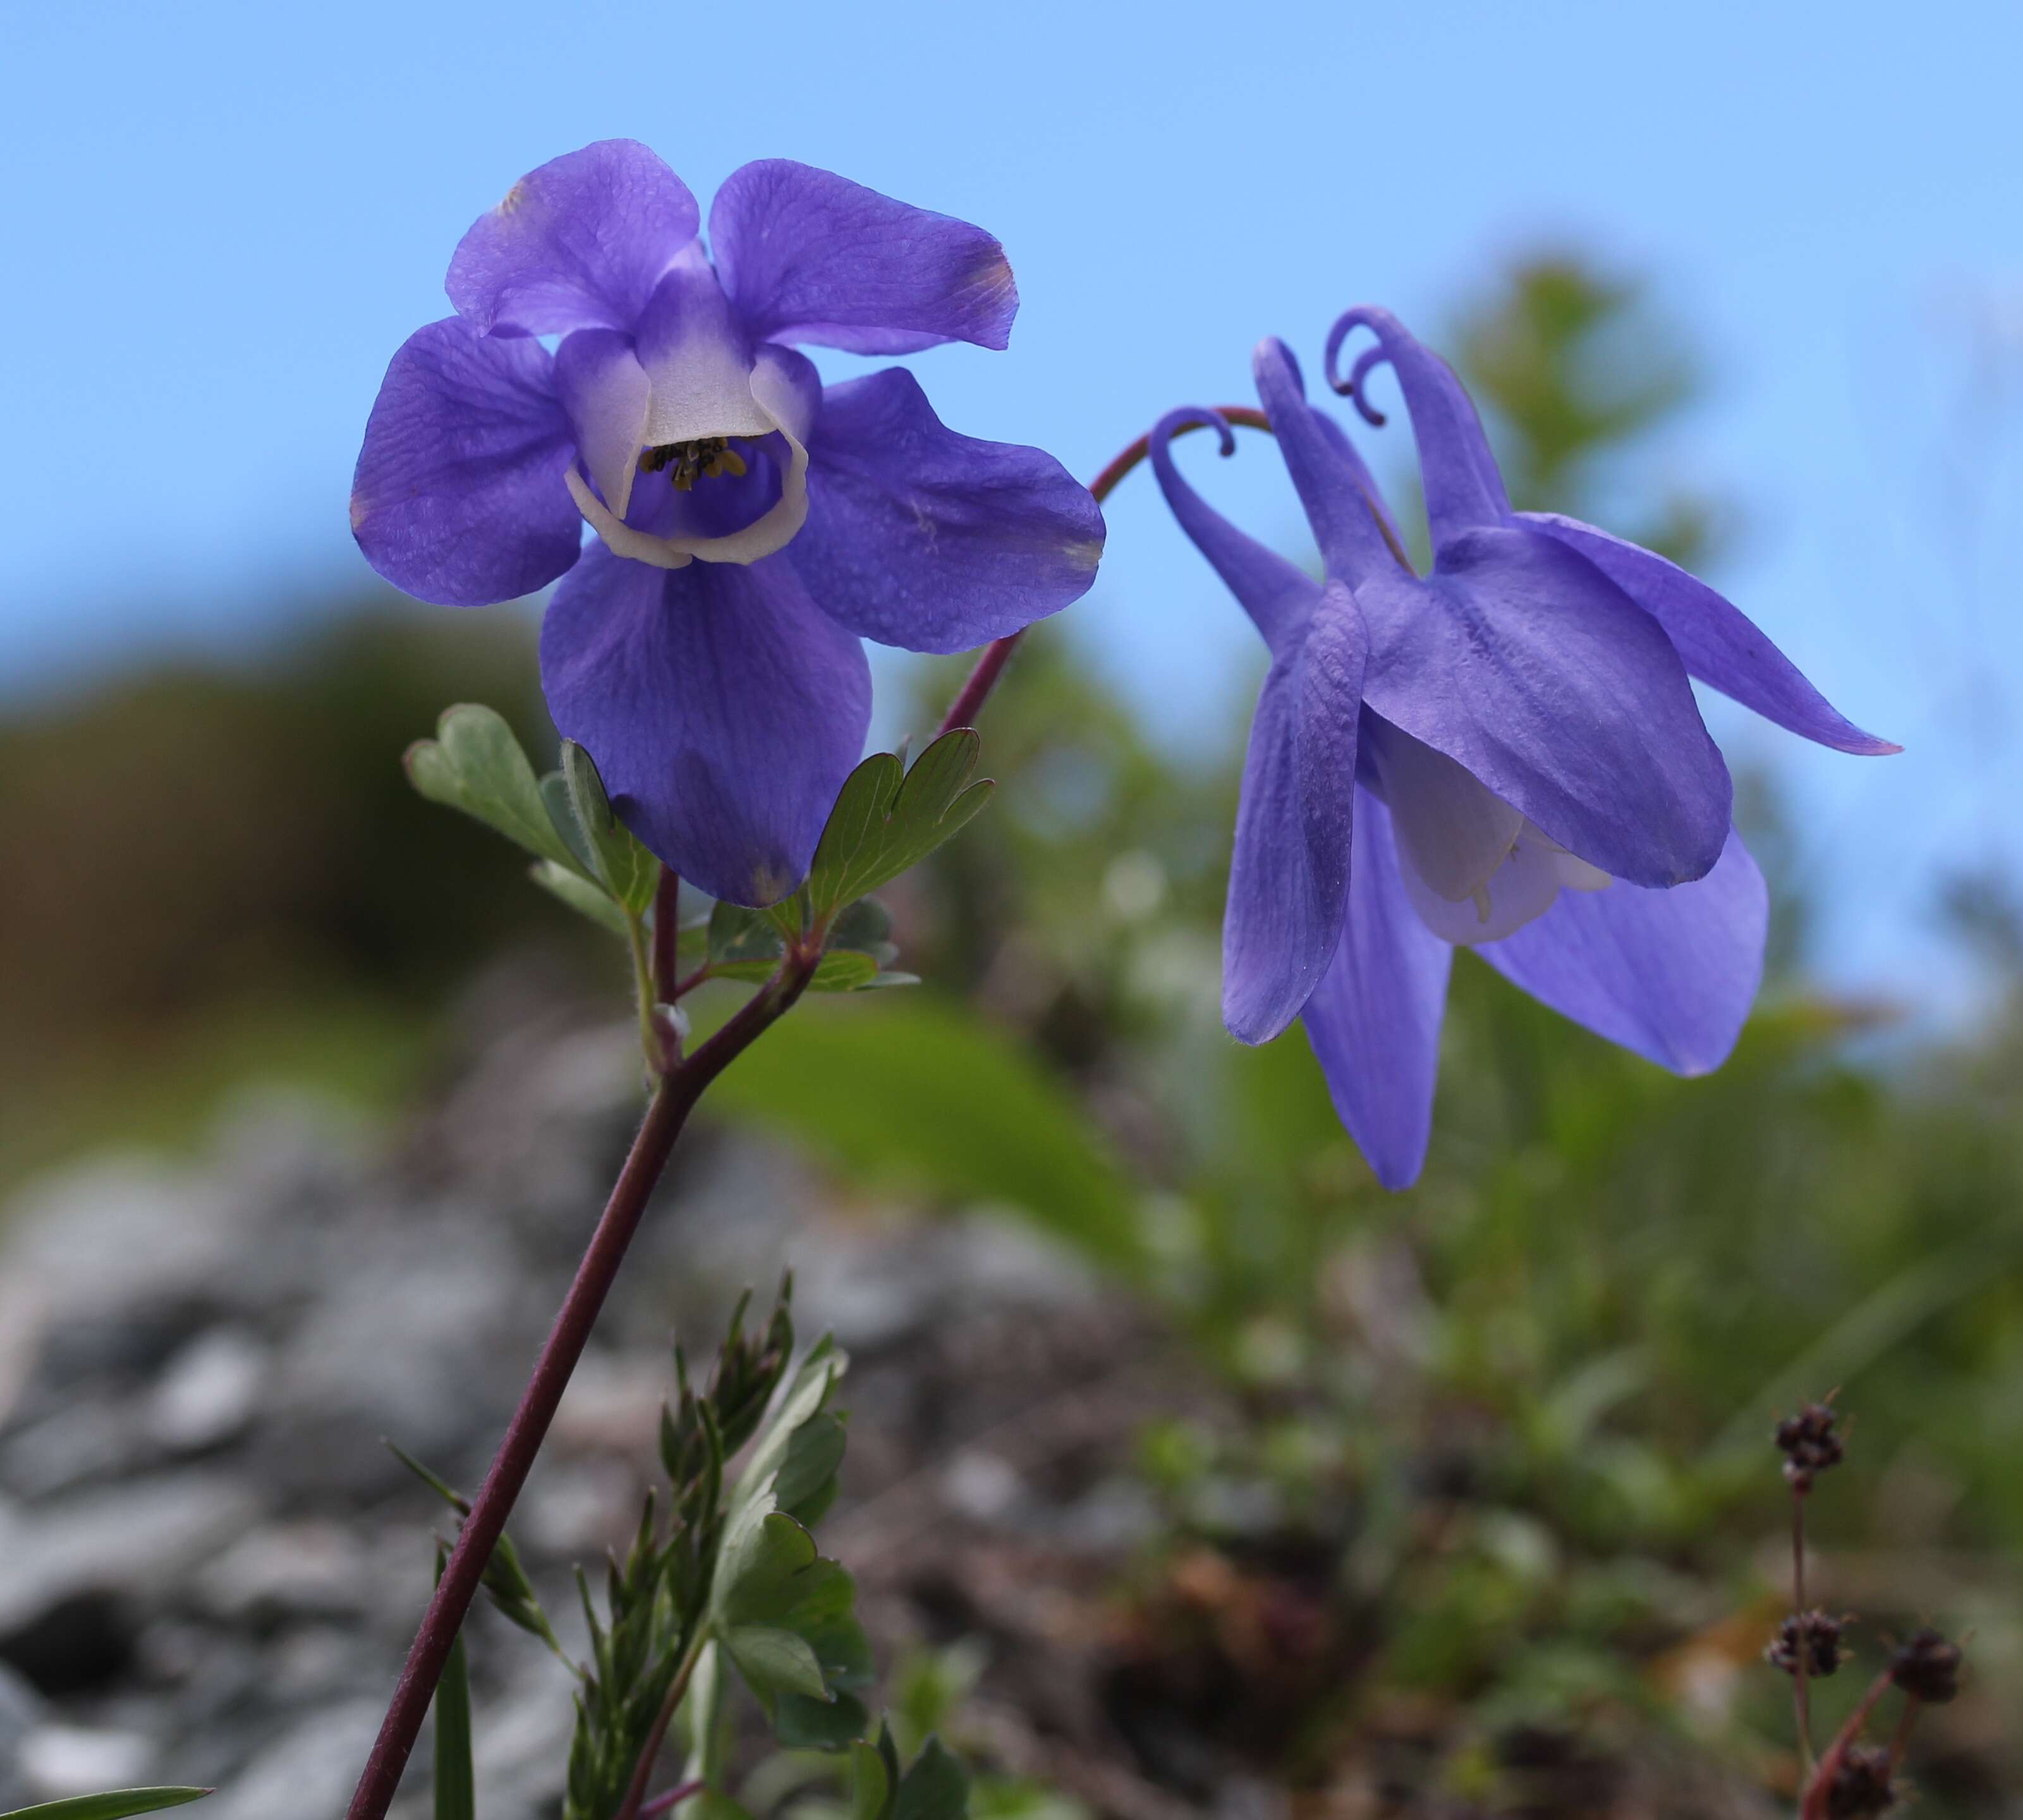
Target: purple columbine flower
752 523
1503 754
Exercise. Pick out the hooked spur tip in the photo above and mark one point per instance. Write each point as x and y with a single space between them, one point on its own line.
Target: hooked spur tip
1187 417
1363 316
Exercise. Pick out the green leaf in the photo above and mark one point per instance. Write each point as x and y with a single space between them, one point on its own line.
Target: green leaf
775 1661
112 1806
866 927
440 1485
561 815
581 894
456 1789
814 1452
712 1804
848 971
631 872
934 1787
914 1095
871 1794
738 935
761 1559
800 1723
475 764
887 819
806 1392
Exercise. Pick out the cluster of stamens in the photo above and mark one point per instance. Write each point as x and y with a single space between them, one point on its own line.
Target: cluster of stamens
708 460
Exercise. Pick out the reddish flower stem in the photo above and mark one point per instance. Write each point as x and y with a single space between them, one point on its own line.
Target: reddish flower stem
673 1798
1813 1805
634 1804
667 935
672 1101
969 701
1801 1700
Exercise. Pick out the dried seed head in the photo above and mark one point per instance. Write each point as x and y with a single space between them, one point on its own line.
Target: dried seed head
1927 1667
1819 1636
1861 1784
1810 1444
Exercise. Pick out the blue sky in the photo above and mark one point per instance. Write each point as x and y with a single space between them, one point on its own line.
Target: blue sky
222 219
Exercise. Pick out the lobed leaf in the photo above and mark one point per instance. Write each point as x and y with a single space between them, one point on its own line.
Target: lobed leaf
886 819
475 764
775 1661
626 869
581 895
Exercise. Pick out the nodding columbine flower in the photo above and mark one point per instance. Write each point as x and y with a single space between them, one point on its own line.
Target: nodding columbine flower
752 524
1502 754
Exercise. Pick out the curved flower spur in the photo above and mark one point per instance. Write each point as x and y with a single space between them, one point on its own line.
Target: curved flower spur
1503 754
752 524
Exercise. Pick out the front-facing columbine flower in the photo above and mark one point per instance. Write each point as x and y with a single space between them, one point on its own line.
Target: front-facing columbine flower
752 524
1503 754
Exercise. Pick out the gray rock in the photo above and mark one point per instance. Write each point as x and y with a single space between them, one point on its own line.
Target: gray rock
67 1448
21 1710
208 1392
309 1770
58 1761
288 1570
134 1539
520 1743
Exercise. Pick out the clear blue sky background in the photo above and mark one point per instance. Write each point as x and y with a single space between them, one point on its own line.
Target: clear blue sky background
220 220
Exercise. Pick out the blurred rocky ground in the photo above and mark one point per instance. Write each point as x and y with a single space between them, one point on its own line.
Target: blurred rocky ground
210 1564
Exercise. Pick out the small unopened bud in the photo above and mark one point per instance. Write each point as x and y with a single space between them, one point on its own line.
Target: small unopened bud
1861 1784
1818 1633
1808 1443
1927 1667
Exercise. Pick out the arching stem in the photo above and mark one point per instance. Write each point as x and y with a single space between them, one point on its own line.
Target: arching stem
969 699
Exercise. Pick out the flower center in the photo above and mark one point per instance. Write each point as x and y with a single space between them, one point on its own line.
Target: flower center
707 458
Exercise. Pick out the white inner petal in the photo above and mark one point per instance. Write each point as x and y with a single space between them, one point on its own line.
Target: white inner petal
1521 889
1455 830
778 406
611 426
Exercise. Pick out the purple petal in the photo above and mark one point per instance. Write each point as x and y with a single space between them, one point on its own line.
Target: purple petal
920 537
1463 485
1525 664
606 392
723 709
807 256
1352 459
459 496
579 243
1277 594
1329 477
1670 975
1374 1020
1289 875
1718 642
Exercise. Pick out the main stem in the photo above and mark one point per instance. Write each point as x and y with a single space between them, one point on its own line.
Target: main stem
970 699
1801 1700
672 1101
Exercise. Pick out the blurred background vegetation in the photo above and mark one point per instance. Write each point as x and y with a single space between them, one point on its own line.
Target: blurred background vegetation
1514 1422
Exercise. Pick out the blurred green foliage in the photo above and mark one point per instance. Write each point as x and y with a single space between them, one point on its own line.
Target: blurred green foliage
217 871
